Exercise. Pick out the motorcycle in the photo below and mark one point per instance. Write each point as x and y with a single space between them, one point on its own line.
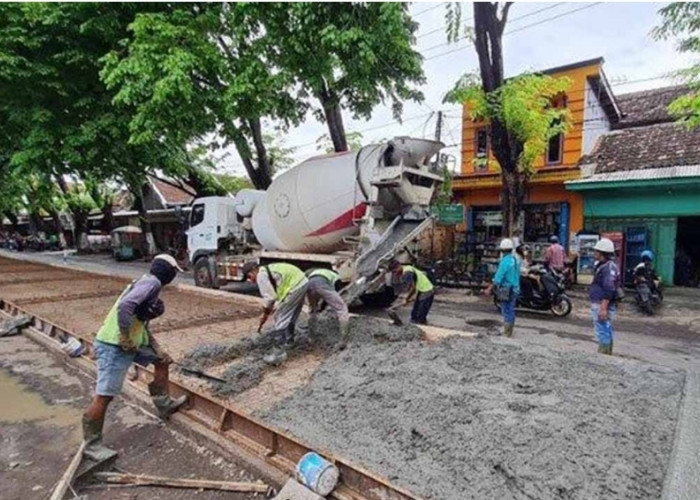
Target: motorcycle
551 298
648 297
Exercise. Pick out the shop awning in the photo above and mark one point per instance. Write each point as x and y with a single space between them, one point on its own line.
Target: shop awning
676 175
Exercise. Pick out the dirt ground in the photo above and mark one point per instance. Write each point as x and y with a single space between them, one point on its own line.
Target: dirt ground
492 419
39 430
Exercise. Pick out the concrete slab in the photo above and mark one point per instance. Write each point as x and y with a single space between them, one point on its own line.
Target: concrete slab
683 476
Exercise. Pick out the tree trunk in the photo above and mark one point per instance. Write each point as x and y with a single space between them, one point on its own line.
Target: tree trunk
260 179
334 118
81 231
260 149
512 201
58 227
107 218
149 243
34 223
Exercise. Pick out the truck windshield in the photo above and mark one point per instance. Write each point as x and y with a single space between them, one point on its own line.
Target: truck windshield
197 215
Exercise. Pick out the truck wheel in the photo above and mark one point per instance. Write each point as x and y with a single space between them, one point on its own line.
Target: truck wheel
202 274
381 299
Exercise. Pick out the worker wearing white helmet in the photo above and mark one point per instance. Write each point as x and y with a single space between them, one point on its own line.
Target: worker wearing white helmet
604 294
506 284
123 339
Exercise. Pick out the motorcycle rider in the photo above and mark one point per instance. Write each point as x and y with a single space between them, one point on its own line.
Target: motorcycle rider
529 281
555 255
645 278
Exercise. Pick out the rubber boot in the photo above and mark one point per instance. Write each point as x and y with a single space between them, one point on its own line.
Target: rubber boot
288 337
601 349
508 330
610 348
344 335
92 434
165 405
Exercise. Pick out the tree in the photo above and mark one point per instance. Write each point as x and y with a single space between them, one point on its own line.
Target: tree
520 110
325 144
346 56
200 70
682 20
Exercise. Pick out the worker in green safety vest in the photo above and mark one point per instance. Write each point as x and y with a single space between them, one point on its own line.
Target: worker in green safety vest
322 289
283 288
124 339
419 286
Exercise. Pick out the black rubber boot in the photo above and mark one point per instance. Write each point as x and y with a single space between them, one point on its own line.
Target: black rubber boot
92 434
165 405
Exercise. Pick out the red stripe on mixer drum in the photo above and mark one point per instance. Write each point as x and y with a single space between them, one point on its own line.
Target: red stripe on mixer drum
343 221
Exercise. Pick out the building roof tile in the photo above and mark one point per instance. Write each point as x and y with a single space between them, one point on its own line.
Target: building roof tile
648 107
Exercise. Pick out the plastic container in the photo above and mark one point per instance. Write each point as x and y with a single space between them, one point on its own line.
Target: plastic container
72 347
317 473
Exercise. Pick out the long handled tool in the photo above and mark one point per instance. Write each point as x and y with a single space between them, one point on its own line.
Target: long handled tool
200 374
395 320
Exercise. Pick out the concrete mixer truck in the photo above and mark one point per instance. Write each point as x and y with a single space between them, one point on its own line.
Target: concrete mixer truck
352 212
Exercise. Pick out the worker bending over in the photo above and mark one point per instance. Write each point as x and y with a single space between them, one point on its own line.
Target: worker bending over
321 289
284 286
418 285
124 338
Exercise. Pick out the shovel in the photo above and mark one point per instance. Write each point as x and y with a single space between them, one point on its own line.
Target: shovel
200 374
395 320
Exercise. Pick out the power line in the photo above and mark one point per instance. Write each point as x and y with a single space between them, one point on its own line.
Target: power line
543 21
424 11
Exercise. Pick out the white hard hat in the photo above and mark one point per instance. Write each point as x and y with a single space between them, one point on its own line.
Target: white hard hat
506 244
604 245
169 259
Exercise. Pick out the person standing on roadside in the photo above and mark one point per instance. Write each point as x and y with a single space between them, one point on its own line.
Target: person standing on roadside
506 285
603 295
124 339
321 289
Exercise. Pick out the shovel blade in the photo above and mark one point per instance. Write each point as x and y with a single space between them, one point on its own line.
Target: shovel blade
395 320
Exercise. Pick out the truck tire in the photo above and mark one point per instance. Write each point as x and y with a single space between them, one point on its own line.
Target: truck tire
203 276
381 299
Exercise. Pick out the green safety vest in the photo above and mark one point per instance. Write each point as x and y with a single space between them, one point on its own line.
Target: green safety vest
423 284
331 276
291 277
109 331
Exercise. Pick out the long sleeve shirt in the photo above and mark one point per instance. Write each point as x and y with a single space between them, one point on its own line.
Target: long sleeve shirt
605 282
142 294
508 273
267 291
555 256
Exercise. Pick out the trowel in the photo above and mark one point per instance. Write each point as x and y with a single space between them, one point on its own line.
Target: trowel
395 319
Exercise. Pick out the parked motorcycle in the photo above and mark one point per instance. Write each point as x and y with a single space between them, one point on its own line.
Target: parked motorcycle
648 297
551 297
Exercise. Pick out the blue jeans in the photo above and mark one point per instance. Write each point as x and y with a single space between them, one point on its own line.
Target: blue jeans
421 307
112 364
508 309
603 329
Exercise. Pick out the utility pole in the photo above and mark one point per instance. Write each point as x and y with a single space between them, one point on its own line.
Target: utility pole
438 126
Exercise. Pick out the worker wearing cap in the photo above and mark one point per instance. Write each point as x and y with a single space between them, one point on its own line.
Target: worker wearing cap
603 294
283 288
322 288
419 285
123 339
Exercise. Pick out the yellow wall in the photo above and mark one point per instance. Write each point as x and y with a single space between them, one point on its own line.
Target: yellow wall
573 141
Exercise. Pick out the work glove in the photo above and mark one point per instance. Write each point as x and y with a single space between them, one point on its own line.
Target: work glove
127 344
152 311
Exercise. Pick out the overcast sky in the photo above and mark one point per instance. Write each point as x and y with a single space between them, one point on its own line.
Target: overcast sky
545 35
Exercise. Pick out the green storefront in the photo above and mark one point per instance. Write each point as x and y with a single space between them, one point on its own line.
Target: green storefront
662 204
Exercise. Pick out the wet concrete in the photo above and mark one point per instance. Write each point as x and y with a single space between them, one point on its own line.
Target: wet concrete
491 419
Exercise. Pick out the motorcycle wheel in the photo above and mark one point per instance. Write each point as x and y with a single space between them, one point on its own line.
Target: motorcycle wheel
562 308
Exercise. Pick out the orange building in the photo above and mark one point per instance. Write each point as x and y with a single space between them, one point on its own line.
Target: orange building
549 207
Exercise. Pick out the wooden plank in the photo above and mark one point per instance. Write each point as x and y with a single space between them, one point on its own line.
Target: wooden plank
65 481
173 482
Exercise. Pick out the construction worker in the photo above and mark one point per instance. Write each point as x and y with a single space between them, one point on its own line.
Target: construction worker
603 294
506 283
284 286
419 285
321 288
123 339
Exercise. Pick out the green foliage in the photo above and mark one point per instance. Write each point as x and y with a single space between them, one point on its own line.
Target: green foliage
281 156
523 104
324 143
233 183
681 20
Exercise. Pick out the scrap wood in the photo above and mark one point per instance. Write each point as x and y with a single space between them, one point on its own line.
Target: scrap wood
144 480
63 485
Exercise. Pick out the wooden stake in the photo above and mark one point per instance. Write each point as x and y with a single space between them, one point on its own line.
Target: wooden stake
144 480
63 485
